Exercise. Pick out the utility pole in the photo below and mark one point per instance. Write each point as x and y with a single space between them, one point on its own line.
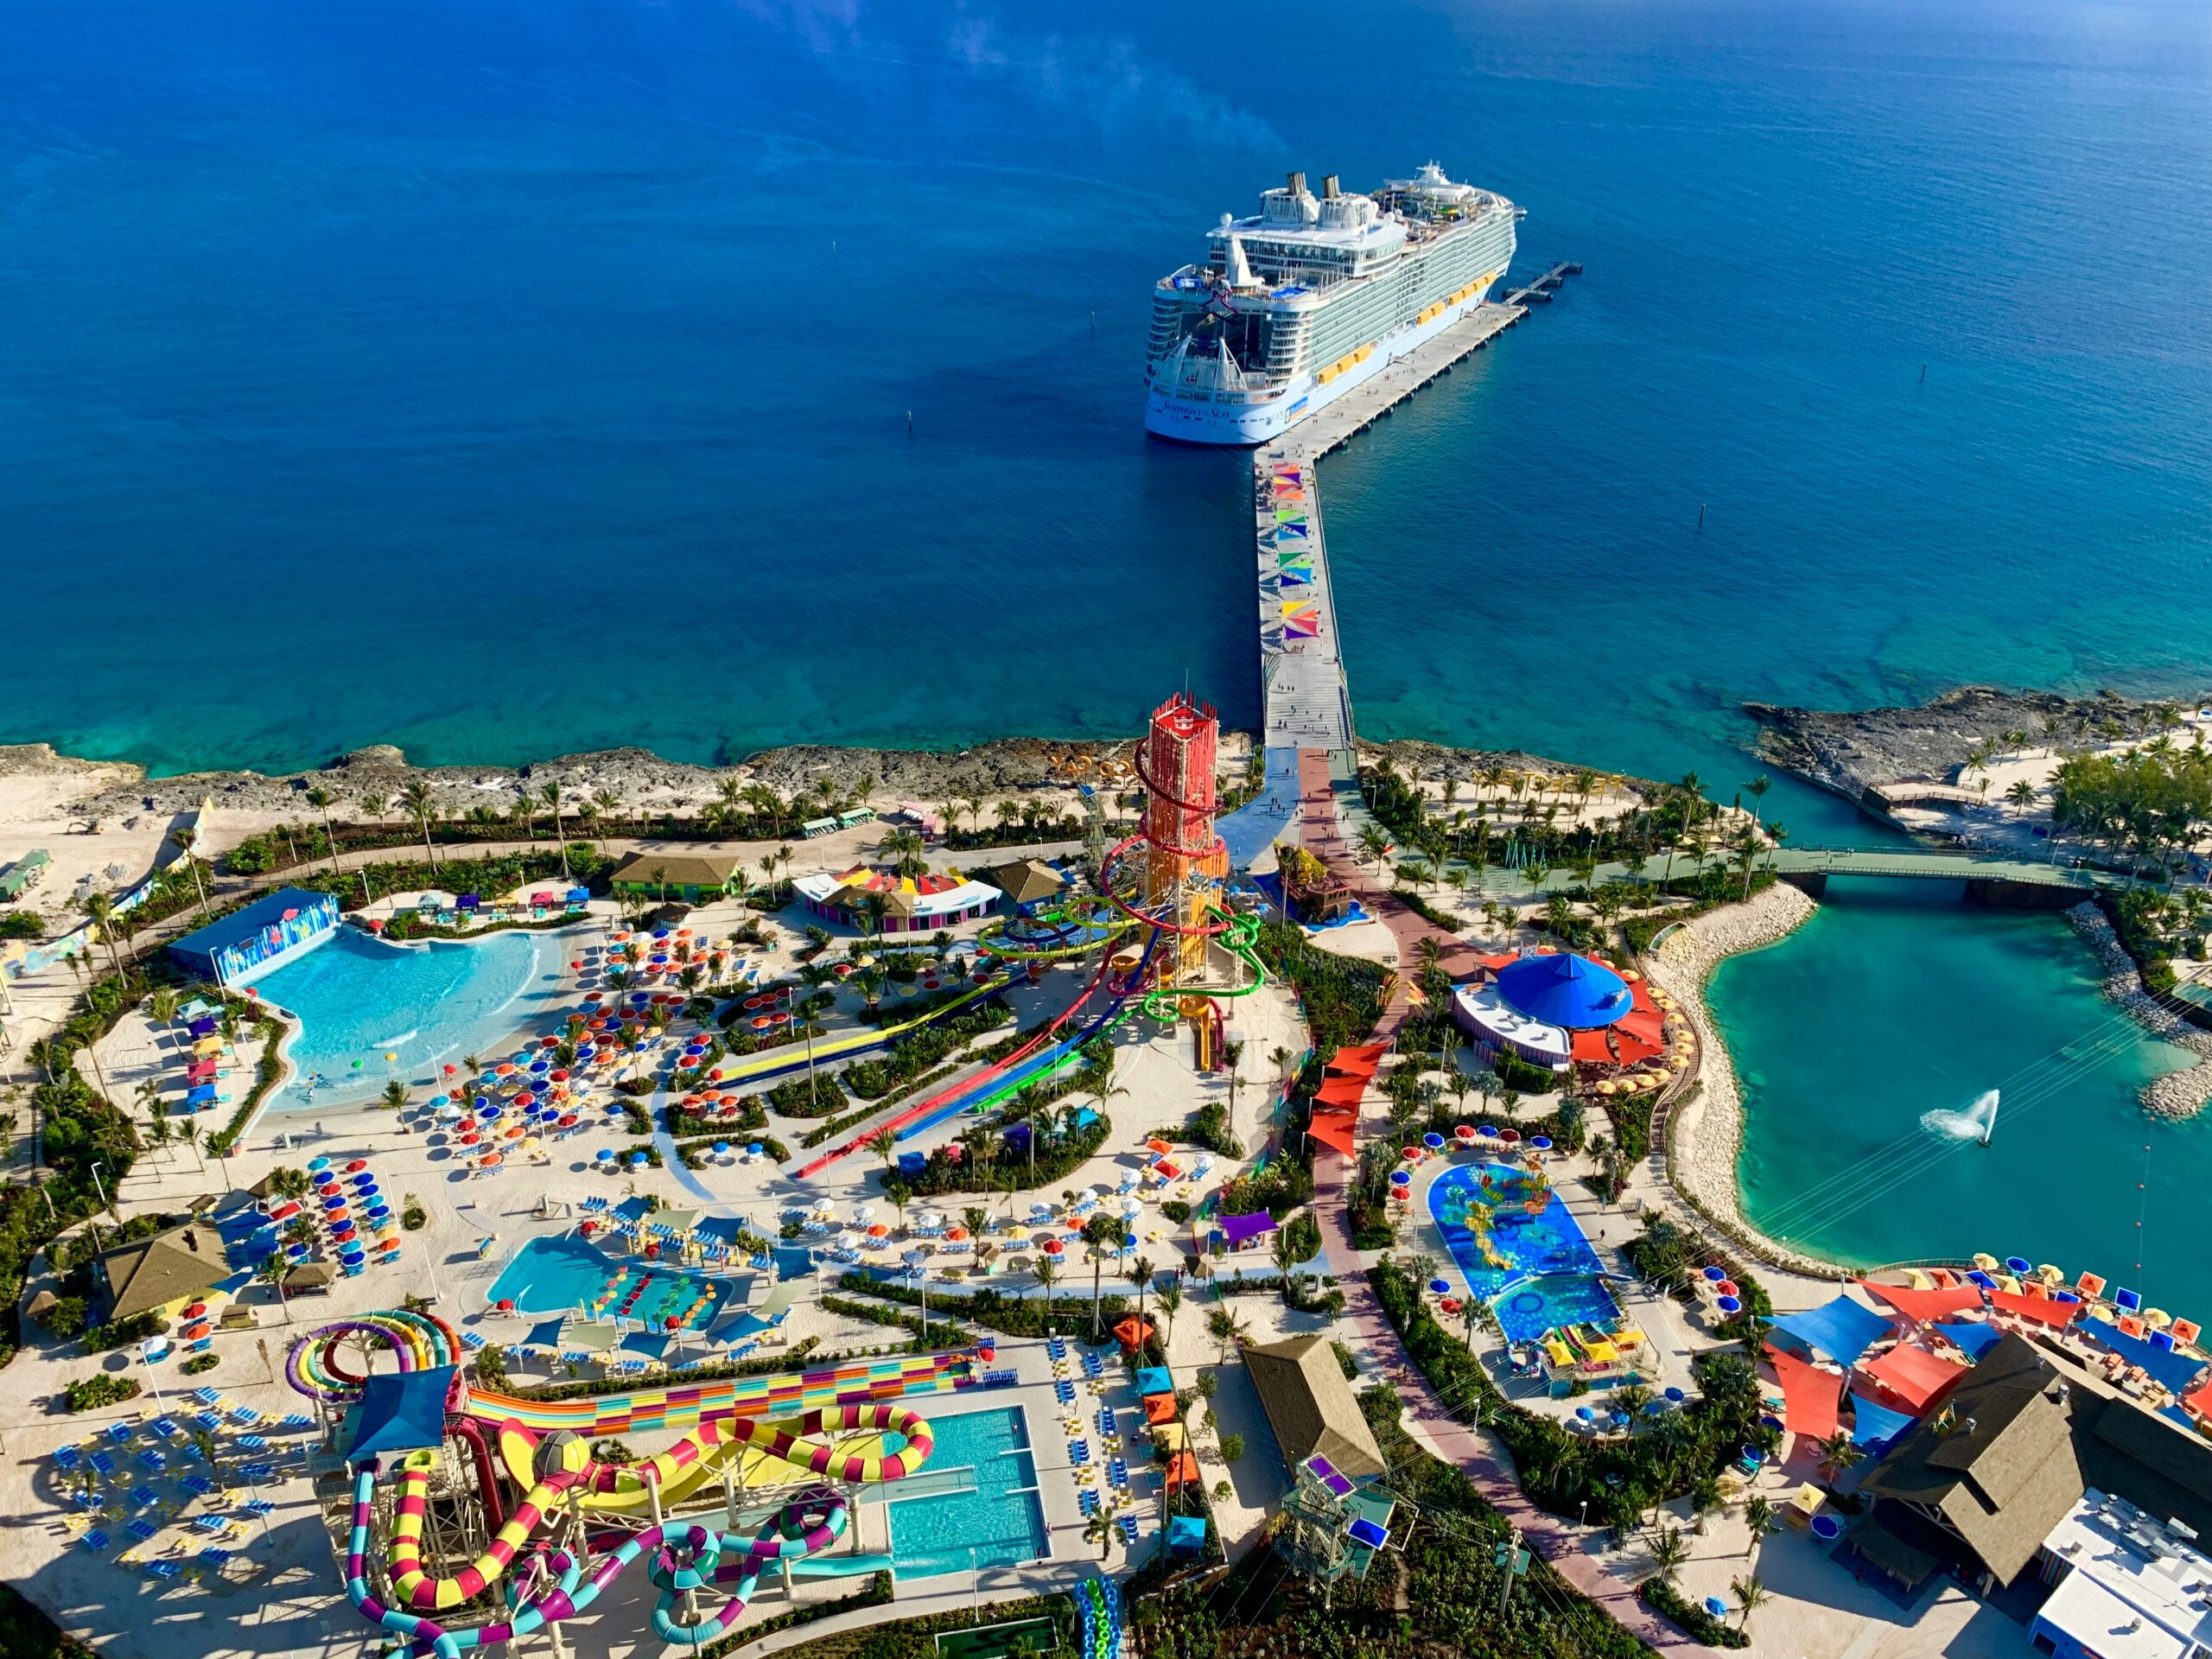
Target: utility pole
1513 1560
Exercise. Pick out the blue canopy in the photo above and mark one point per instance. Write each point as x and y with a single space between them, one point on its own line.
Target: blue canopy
1842 1330
1565 989
645 1342
1975 1340
1877 1425
1187 1534
403 1411
1154 1379
2176 1372
545 1336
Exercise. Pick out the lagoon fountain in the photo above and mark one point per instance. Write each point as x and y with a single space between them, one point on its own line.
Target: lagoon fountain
1973 1124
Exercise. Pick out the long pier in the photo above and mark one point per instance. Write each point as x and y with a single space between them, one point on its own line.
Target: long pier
1306 694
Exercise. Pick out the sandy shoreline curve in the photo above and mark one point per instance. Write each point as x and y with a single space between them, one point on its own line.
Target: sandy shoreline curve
1706 1132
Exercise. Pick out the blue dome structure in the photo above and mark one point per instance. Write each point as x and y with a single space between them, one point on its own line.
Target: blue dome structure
1565 989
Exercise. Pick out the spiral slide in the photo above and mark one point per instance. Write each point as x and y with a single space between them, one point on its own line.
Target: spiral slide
834 1425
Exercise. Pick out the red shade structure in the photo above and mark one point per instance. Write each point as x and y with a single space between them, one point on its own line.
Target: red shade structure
1914 1376
1809 1394
1925 1307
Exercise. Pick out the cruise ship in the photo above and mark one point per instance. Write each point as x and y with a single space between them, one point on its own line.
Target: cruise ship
1301 303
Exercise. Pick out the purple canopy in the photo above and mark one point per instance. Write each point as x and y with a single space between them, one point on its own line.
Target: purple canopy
1243 1229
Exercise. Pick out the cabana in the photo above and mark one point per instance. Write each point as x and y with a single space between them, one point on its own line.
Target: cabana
1133 1333
1238 1231
401 1411
1841 1329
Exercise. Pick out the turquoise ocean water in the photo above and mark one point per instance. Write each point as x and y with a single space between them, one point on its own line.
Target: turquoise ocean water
1890 1005
516 378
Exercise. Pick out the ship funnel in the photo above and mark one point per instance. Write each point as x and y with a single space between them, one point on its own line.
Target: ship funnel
1328 186
1298 184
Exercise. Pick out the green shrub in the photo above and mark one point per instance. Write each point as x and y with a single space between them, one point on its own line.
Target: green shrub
412 1216
66 1318
121 1333
1663 1599
20 924
101 1389
198 1365
1232 1447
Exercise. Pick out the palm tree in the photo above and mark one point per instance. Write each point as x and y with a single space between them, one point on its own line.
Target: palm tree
375 806
1759 1517
1100 1232
1171 1303
394 1095
1140 1274
1374 843
1837 1453
1750 1592
1099 1530
1669 1549
320 798
1046 1273
551 795
271 1273
884 1143
417 799
105 923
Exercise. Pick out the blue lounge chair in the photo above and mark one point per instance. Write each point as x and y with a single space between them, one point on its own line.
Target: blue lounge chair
96 1541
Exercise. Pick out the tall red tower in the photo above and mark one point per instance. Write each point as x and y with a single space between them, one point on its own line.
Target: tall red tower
1185 860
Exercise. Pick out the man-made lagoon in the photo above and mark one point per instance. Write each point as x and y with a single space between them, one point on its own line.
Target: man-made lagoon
1890 1004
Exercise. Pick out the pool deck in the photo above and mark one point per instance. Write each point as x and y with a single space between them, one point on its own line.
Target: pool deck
1672 1343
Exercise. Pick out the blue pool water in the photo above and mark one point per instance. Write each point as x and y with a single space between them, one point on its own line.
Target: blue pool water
562 1275
1550 1276
998 1524
359 1000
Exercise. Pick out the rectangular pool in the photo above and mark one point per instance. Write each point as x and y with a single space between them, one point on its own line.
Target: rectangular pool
568 1275
1001 1524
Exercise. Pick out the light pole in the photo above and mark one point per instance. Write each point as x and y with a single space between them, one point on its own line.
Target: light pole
102 1190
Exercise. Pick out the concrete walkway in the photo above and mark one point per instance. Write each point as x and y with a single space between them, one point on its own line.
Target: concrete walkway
1428 1418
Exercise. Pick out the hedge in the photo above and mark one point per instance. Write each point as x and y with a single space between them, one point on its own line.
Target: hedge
1661 1596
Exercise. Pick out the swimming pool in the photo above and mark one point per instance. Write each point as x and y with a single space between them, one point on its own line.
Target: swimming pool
1001 1524
359 1000
563 1275
1539 1272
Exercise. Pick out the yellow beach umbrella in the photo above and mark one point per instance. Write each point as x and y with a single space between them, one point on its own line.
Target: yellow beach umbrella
1984 1260
2157 1318
2049 1274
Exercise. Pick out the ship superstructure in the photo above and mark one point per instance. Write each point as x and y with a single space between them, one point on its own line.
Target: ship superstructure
1301 302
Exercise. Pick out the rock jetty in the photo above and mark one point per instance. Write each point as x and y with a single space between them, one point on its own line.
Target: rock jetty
2180 1094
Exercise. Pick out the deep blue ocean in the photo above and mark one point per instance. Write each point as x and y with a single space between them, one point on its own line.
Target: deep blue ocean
504 378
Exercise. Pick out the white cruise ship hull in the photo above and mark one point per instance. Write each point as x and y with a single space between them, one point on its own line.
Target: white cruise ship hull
1241 418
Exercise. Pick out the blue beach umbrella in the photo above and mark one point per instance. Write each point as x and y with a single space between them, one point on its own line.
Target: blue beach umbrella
606 1154
1714 1275
1674 1396
1715 1606
1441 1286
1729 1304
752 1148
2019 1264
1489 1131
1541 1142
1400 1178
636 1160
1433 1140
721 1148
1586 1413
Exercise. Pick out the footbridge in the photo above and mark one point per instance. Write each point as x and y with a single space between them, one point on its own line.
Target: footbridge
1991 877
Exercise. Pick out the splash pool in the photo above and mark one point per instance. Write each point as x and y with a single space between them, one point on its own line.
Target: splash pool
1000 1524
562 1275
359 1000
1537 1271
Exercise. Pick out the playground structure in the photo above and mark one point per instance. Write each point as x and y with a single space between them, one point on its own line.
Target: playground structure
1165 883
769 1461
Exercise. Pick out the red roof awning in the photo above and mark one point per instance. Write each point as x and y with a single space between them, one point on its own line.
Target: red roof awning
1925 1307
1589 1049
1809 1394
1341 1091
2041 1309
1645 1028
1914 1375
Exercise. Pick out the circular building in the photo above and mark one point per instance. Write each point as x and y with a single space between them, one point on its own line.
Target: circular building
1557 1008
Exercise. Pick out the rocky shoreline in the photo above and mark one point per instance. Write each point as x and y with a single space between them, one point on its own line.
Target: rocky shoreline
2178 1095
1854 752
1707 1133
644 783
